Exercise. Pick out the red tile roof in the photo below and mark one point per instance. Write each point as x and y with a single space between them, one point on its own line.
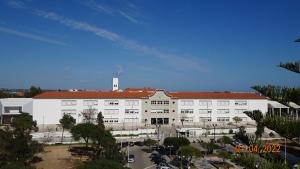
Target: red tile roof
147 89
145 94
215 95
91 95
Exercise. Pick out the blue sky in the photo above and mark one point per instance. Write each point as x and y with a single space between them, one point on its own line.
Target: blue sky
175 45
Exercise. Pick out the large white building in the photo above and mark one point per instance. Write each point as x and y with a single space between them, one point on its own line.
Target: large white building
146 107
136 107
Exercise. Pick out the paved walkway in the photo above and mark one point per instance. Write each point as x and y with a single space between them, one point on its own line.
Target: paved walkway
142 160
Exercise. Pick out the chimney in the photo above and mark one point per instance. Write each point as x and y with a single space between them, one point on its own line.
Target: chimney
115 84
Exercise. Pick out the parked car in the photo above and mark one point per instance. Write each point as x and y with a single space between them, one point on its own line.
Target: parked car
163 166
130 158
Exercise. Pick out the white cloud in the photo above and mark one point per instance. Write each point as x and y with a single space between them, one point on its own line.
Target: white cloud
101 8
31 36
173 60
176 61
16 4
97 7
130 18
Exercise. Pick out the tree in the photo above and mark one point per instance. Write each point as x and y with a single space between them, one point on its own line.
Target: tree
291 66
283 126
84 131
100 122
241 135
16 165
257 116
67 122
259 130
176 142
102 164
280 94
225 140
188 152
104 143
33 91
210 147
16 144
237 120
150 142
89 115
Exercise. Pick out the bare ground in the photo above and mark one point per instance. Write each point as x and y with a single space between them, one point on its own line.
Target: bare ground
58 157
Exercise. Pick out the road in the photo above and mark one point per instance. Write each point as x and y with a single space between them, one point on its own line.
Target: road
142 160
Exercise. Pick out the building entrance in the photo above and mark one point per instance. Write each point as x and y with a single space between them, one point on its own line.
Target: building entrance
161 121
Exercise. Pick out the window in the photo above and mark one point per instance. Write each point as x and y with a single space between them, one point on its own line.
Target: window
131 111
240 103
111 120
239 111
187 102
90 111
166 110
12 109
166 120
131 102
205 102
110 112
68 102
159 102
223 103
187 111
188 119
90 102
205 119
222 111
69 111
111 102
157 111
205 111
223 119
153 120
131 120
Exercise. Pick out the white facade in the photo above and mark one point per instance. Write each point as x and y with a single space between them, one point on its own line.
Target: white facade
132 112
218 110
125 109
114 111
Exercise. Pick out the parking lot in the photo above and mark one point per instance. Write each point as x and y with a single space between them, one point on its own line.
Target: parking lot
145 160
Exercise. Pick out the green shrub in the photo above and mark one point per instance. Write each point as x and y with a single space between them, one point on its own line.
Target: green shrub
176 142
